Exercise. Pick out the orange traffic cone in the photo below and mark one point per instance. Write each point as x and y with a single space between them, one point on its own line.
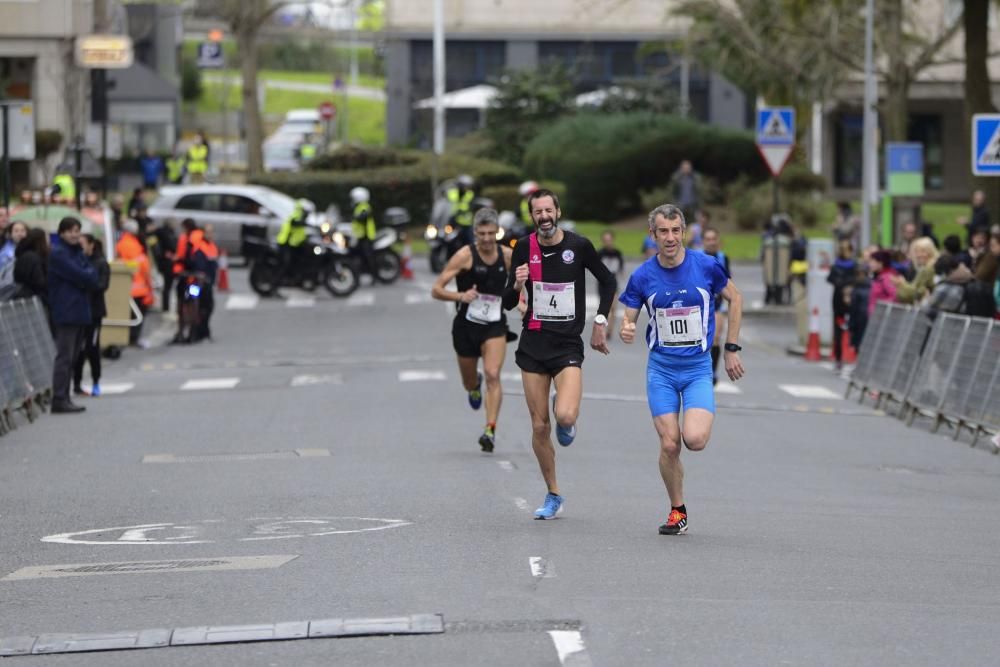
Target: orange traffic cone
848 354
407 254
812 347
223 279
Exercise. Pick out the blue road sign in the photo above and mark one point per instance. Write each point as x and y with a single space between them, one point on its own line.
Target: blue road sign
904 157
211 55
776 126
986 144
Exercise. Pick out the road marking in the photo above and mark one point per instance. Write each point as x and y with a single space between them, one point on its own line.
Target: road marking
727 388
313 380
361 299
209 458
300 302
756 304
541 567
422 376
109 388
809 391
419 297
570 647
209 384
522 504
826 365
507 465
147 566
242 302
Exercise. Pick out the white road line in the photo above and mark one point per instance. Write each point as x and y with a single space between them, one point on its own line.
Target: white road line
422 376
506 465
361 299
109 388
756 304
570 647
150 566
242 302
521 504
210 383
541 567
510 376
809 391
300 302
826 365
727 388
312 380
419 297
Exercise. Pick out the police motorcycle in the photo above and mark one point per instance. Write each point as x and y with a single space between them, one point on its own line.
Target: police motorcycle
443 235
320 261
388 264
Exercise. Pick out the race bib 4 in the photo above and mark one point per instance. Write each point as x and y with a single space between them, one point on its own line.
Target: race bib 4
554 302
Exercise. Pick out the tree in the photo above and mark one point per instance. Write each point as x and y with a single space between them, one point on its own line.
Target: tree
977 81
525 101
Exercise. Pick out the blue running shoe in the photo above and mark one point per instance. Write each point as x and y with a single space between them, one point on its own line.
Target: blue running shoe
565 436
95 391
551 507
476 395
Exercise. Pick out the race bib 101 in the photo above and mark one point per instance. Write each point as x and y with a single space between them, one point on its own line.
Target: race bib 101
485 309
679 327
554 302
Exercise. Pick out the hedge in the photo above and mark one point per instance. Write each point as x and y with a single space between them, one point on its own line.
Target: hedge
508 197
406 185
606 161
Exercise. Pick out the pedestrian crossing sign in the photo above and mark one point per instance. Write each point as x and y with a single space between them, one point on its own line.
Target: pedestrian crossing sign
986 144
776 126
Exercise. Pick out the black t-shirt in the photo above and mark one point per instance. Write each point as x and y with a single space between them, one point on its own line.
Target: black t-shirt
487 279
565 263
613 259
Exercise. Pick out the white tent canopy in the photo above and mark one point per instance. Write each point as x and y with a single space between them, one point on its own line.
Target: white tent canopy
476 97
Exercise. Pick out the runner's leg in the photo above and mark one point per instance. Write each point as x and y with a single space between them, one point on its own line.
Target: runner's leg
569 391
469 372
536 394
494 350
697 428
671 469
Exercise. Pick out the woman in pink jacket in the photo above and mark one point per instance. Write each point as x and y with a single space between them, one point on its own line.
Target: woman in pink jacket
883 287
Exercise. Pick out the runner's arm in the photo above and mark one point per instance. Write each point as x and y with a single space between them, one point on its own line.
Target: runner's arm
512 292
460 261
607 284
734 365
627 331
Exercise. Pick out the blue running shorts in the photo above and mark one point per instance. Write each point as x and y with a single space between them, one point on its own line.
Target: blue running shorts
673 380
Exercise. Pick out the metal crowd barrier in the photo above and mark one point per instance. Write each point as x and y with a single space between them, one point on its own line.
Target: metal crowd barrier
948 370
27 354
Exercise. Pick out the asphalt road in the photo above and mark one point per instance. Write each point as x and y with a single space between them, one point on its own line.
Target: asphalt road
329 443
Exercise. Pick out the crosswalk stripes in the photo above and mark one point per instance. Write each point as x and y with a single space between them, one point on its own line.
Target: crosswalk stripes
727 388
361 299
300 301
112 388
422 376
208 384
242 301
808 391
414 298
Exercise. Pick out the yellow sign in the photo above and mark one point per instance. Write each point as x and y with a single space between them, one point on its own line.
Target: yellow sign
104 51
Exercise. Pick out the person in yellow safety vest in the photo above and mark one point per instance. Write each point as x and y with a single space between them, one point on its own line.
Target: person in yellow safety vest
460 197
525 190
175 167
64 187
291 238
197 159
363 228
307 152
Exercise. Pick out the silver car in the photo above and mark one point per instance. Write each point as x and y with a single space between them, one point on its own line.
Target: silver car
228 208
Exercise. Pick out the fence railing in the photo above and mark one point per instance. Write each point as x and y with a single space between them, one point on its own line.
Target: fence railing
27 353
948 370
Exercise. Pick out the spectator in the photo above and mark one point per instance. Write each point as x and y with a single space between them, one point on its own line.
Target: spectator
856 297
612 258
152 167
949 294
71 277
4 221
136 203
980 247
799 250
164 242
94 250
189 231
684 187
923 254
907 235
953 246
980 218
697 229
649 247
117 210
12 236
883 287
842 275
31 266
205 265
847 226
131 250
988 266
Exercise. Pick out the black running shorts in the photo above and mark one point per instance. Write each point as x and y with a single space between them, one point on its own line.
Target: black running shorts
468 337
541 352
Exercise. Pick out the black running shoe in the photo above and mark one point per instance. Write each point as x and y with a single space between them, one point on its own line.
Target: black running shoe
677 523
487 440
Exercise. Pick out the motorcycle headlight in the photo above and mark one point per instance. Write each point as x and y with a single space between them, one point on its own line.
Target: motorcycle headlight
339 240
448 229
431 232
317 250
325 228
500 234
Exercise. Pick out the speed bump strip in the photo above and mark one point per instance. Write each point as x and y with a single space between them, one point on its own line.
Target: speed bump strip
417 624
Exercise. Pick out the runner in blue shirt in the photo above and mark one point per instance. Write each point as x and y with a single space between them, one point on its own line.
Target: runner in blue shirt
678 288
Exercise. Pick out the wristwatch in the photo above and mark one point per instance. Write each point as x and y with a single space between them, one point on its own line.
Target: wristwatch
733 347
602 320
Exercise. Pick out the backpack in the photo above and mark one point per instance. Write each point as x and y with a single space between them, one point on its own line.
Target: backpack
977 300
8 288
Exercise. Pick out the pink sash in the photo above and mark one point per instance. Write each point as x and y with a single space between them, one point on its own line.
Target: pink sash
534 273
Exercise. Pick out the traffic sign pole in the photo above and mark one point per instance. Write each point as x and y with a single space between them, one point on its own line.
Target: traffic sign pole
6 159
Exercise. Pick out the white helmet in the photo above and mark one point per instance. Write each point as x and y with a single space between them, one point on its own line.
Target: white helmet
527 188
359 195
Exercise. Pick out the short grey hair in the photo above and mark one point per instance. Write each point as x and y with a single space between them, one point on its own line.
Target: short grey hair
668 211
486 216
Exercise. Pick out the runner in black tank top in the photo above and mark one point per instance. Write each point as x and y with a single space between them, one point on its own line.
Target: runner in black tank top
480 326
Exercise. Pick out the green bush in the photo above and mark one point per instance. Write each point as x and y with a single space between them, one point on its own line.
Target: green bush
407 184
607 161
752 204
507 197
191 86
360 157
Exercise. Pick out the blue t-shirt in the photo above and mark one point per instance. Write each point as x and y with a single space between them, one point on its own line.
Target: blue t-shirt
680 302
648 244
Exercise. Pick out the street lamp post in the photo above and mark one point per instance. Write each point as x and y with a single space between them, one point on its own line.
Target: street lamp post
439 74
869 173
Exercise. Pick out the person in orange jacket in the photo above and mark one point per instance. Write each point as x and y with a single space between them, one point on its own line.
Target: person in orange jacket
181 258
132 251
204 265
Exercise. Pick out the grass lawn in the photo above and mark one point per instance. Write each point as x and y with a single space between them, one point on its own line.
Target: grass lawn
366 117
324 78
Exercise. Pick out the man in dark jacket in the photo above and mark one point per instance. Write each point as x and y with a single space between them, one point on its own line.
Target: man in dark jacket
71 277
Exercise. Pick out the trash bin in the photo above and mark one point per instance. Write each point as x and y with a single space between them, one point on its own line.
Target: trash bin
122 313
775 259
